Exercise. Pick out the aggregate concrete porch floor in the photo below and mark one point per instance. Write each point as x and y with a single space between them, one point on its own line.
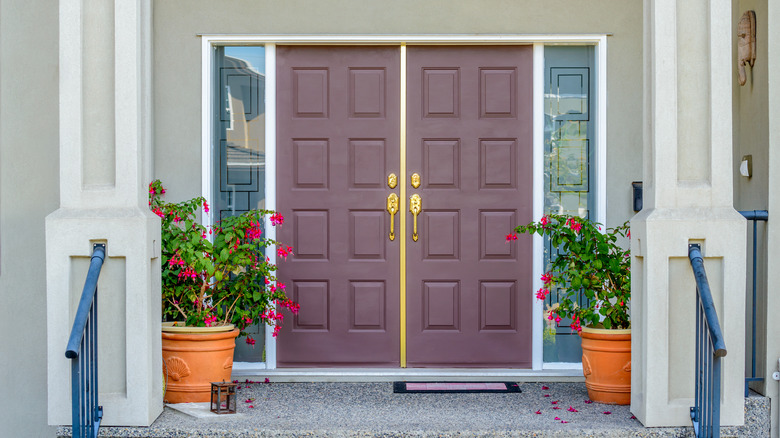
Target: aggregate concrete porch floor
372 409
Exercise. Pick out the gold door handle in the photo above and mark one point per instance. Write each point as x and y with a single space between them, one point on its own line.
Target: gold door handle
392 208
415 206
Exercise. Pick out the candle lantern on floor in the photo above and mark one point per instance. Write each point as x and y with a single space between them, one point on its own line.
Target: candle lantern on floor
223 397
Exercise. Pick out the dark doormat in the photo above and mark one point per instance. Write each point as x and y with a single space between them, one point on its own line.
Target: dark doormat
454 387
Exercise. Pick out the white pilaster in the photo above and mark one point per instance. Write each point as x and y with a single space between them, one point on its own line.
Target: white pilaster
105 162
688 199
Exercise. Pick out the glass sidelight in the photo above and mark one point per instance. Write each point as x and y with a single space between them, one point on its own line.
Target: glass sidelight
239 148
569 155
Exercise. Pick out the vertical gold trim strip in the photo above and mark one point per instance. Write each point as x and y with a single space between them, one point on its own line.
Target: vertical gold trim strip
402 207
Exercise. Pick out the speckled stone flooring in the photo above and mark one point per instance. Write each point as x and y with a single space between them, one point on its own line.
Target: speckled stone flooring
373 410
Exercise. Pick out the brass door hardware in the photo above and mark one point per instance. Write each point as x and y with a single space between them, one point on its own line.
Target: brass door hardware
392 208
415 206
392 180
415 180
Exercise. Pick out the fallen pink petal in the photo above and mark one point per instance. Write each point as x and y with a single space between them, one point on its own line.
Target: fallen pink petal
564 421
267 380
557 418
538 412
571 409
547 395
633 417
554 402
556 407
607 412
588 401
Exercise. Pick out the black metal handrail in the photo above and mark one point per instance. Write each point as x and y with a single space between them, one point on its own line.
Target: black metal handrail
755 216
710 348
82 351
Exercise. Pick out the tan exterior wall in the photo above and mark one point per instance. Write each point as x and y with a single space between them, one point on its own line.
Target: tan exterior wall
772 329
29 190
751 137
177 62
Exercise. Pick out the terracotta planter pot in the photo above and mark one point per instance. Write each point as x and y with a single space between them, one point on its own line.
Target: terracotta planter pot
195 358
606 364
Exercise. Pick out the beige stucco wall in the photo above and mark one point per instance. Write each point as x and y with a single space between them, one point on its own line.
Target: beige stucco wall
772 330
29 190
177 62
751 137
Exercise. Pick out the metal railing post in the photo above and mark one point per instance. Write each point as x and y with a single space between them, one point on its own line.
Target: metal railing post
710 348
754 216
82 350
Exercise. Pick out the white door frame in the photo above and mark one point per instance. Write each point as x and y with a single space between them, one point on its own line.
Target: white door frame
209 41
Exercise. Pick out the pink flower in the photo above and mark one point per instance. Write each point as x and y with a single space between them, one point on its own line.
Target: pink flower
545 221
284 252
541 294
574 225
250 341
511 237
210 320
547 278
575 325
267 380
277 219
205 206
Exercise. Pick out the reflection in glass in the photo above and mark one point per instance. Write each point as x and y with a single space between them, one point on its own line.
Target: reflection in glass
568 163
239 148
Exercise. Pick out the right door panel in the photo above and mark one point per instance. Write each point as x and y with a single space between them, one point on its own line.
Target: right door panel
469 137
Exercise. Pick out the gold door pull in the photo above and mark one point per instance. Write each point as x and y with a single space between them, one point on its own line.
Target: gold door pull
392 208
415 206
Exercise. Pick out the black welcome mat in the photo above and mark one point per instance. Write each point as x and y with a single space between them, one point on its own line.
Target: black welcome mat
454 387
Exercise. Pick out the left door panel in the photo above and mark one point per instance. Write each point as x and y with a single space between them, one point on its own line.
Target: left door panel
338 136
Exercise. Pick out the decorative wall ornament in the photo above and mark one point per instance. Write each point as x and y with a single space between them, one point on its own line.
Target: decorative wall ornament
746 43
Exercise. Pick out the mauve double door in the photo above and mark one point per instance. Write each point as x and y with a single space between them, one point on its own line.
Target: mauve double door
468 137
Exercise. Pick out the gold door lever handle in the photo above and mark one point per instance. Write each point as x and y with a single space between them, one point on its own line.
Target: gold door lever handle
415 206
392 208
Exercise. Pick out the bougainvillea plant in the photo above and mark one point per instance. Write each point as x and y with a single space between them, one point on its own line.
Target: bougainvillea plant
218 275
589 264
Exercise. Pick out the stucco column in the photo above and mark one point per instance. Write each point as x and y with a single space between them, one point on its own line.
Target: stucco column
105 132
688 199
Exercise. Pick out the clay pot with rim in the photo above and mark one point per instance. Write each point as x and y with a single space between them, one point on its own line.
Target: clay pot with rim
606 364
193 357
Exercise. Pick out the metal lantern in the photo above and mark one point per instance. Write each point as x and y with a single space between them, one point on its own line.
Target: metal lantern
223 397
